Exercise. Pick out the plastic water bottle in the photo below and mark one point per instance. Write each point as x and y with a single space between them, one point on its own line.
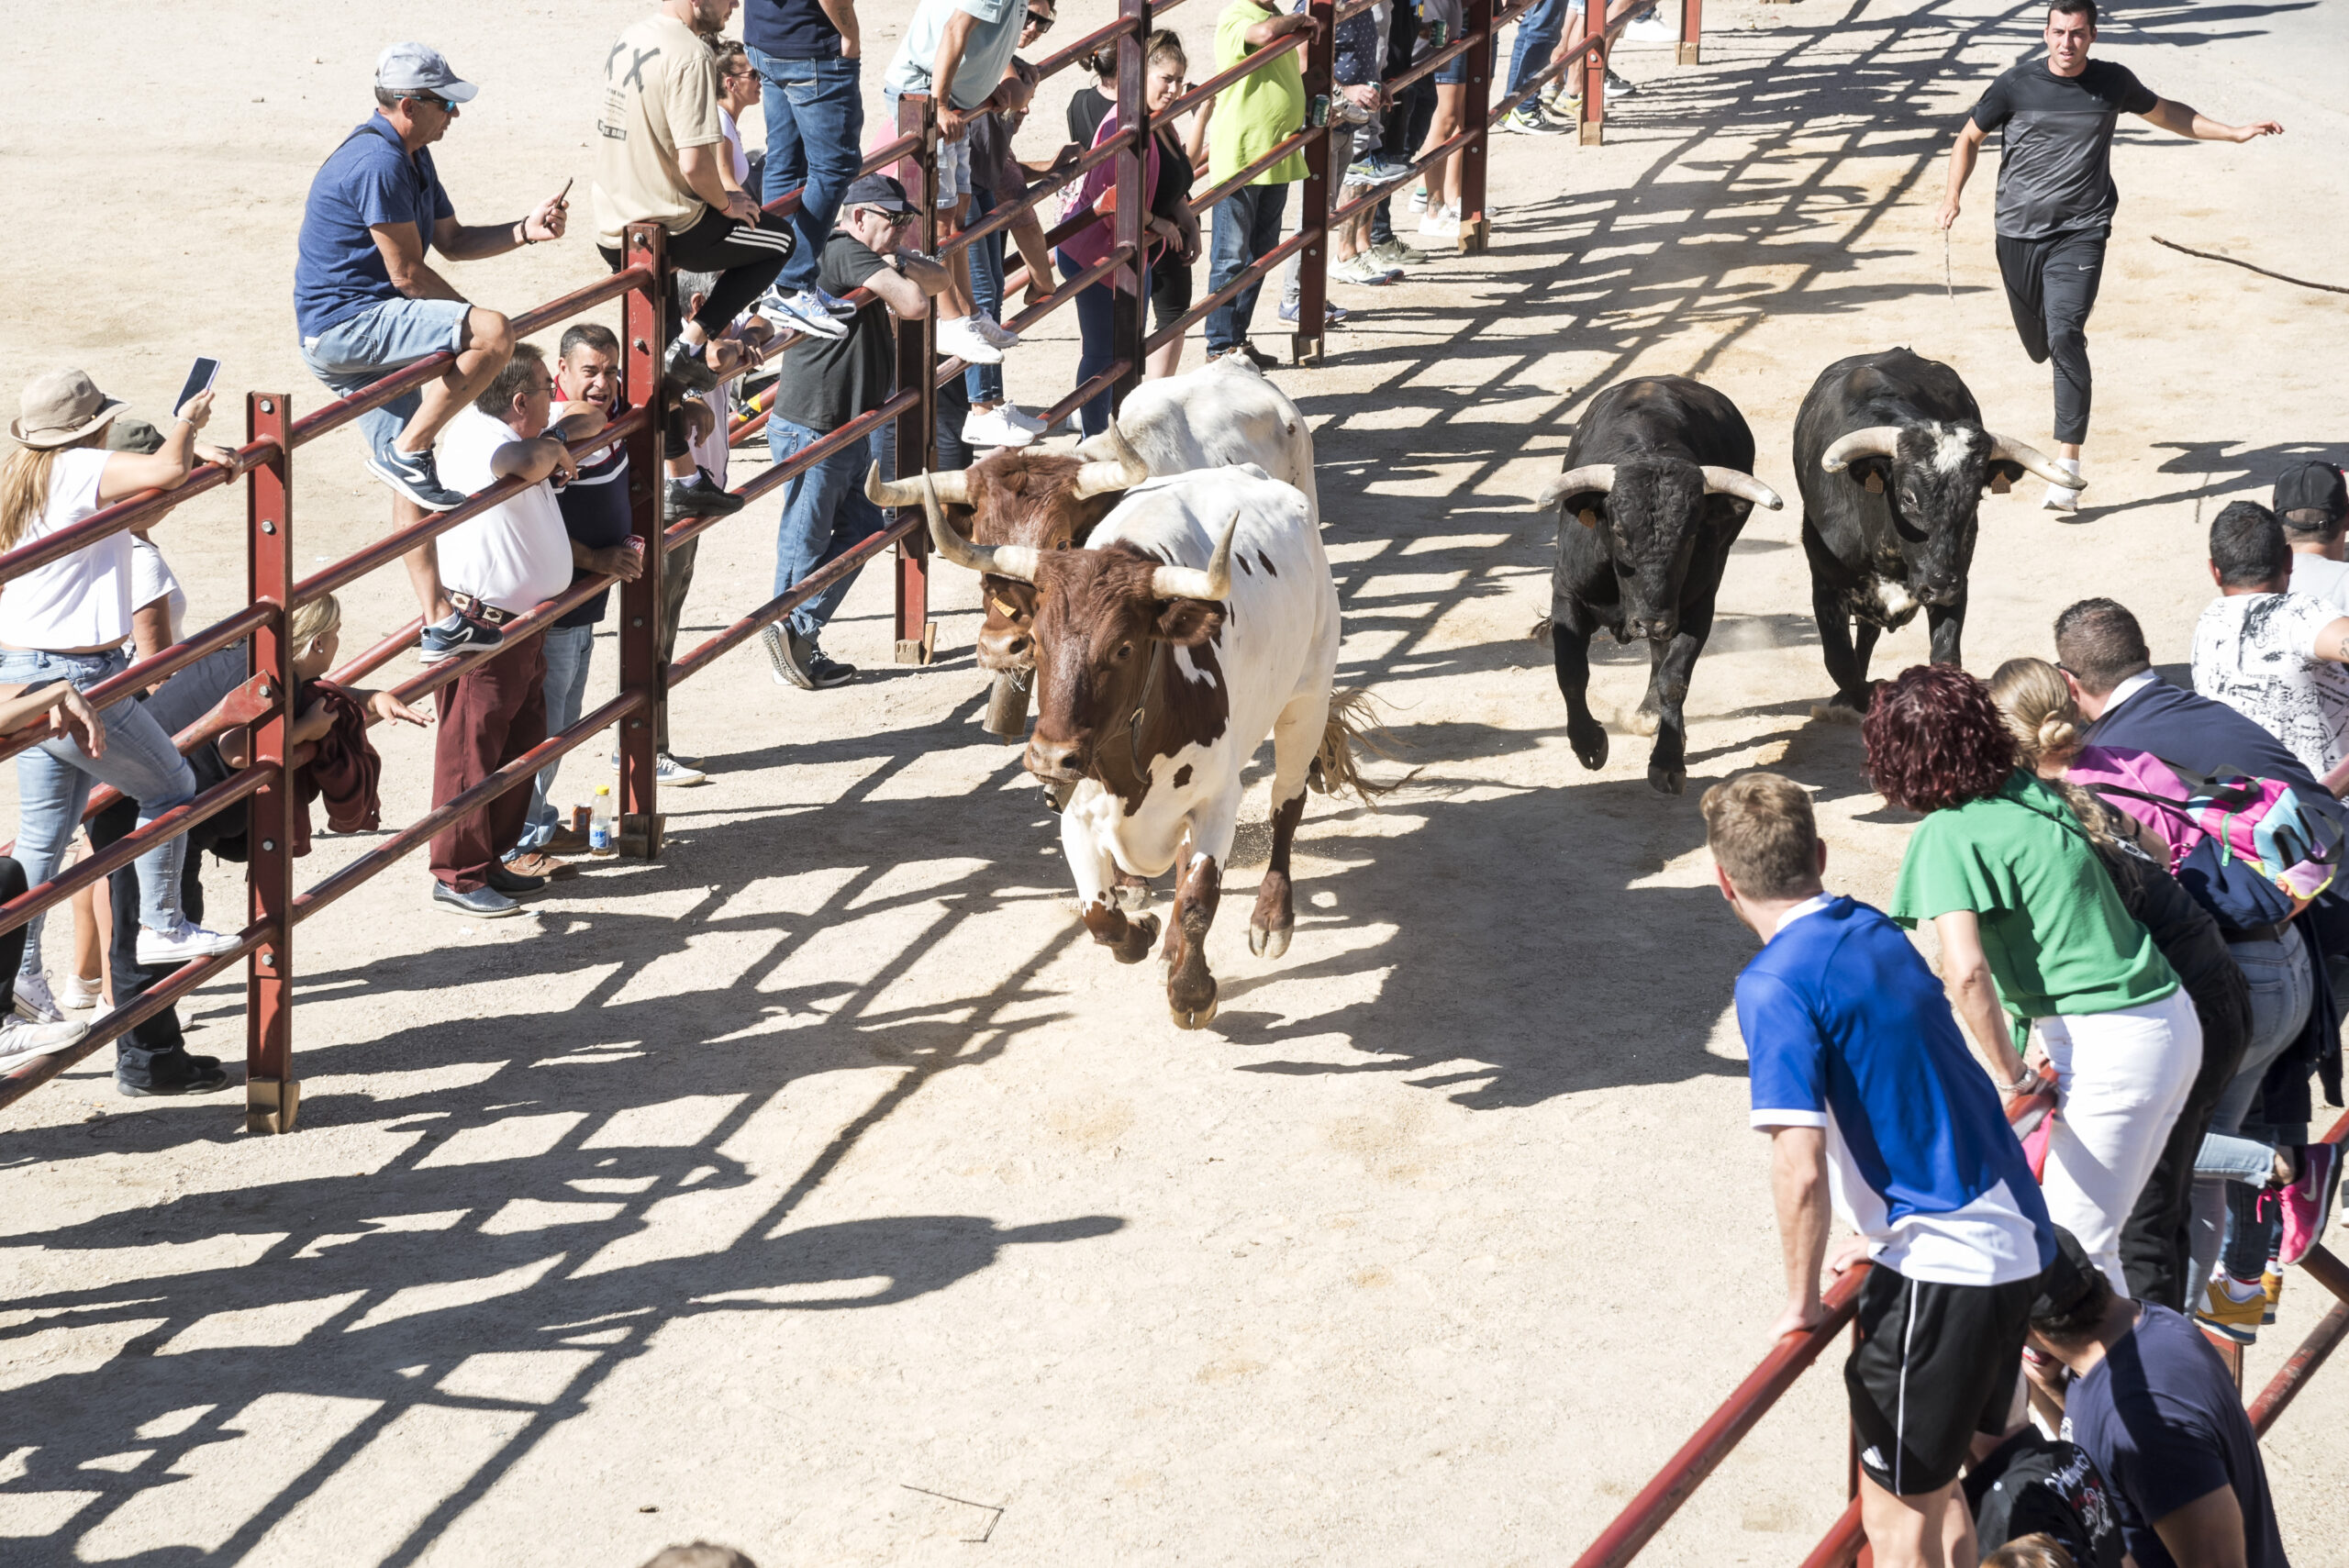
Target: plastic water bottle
599 822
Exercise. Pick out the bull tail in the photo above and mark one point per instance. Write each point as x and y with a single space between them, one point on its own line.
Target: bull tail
1354 723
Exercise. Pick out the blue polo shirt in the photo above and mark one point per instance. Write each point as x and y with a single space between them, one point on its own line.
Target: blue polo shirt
1846 1030
369 180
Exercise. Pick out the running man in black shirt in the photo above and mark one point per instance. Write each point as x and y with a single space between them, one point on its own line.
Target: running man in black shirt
2056 197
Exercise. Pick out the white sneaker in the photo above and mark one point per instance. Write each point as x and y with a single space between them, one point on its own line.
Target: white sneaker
995 331
959 339
34 1004
1419 199
992 427
188 940
801 312
1026 421
1360 270
672 774
21 1042
76 994
1441 223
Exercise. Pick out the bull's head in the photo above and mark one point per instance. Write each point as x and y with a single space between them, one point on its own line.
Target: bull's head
1931 476
1043 501
1648 509
1101 618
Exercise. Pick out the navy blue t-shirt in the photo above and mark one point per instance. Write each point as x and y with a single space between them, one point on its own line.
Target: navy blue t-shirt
790 30
596 513
369 180
2162 1421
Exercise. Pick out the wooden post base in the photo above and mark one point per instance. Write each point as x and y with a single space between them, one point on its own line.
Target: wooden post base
1691 53
271 1103
1594 134
640 835
1304 350
1476 235
919 651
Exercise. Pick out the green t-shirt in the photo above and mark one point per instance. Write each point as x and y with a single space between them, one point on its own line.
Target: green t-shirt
2053 928
1258 112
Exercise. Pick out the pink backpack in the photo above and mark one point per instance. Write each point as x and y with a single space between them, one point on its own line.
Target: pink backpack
2262 823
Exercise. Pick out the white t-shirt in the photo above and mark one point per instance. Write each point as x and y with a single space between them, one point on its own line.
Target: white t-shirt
516 554
734 150
82 601
710 451
151 579
2256 653
2321 579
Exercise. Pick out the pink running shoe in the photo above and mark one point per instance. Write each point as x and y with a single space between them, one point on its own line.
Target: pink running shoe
2308 1202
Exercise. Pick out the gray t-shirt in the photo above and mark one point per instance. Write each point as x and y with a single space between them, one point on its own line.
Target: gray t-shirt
2056 171
986 54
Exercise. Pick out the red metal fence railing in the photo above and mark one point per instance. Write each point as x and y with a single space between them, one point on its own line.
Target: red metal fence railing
265 463
1844 1544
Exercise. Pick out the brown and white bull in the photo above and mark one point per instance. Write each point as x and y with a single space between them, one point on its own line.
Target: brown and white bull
1199 618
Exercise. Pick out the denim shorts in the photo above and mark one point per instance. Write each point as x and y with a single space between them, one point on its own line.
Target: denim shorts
1453 72
362 349
953 158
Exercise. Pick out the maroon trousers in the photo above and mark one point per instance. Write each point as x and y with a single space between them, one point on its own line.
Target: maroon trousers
490 715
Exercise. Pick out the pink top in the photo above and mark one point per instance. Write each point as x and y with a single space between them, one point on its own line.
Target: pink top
1091 245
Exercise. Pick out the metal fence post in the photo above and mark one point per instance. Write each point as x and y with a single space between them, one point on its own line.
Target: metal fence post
1475 228
1131 331
1320 65
1594 91
916 445
1692 32
644 312
272 1098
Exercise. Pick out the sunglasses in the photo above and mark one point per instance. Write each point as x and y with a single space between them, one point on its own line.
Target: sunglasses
1041 22
893 220
446 106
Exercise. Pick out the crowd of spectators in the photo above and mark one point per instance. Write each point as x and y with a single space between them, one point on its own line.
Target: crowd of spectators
2136 894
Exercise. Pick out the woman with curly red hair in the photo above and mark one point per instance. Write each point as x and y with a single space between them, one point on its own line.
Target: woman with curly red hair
2031 929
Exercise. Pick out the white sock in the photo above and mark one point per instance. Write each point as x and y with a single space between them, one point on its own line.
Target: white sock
2070 465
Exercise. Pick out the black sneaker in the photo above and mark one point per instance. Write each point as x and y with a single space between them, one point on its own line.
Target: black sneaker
458 634
699 497
413 475
790 655
828 671
683 366
202 1075
1262 360
514 885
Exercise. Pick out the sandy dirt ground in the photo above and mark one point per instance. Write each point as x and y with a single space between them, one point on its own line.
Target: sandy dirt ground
819 1188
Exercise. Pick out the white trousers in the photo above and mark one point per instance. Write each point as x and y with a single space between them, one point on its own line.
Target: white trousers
2120 1080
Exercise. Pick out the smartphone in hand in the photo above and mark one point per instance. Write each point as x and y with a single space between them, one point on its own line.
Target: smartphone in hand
200 377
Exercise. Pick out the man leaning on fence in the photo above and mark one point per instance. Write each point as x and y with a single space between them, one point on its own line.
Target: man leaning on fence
367 302
1253 116
1873 1105
500 564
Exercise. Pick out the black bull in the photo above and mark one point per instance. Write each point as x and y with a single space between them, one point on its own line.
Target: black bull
1658 483
1892 460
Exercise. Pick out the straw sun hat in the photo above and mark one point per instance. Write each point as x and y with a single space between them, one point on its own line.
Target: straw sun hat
61 408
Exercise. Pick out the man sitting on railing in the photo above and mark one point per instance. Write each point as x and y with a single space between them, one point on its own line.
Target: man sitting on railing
367 302
1872 1101
501 565
2158 1412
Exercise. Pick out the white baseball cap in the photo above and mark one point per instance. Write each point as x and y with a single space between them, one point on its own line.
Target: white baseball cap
419 68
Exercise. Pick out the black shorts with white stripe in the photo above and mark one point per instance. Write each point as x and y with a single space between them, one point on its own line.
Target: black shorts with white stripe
746 258
1935 1364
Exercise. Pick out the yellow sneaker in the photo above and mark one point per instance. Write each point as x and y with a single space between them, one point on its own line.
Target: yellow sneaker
2222 1315
2271 1285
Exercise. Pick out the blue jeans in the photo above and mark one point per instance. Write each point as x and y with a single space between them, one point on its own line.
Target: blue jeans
53 783
1097 328
569 650
363 349
1247 225
814 111
1536 39
824 513
985 383
2228 1225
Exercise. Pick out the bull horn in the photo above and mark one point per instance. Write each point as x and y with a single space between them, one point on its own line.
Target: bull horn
1017 561
1744 486
1599 476
952 486
1123 472
1190 582
2034 461
1877 440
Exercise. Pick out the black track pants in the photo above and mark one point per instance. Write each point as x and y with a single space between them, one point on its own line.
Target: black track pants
745 257
2051 288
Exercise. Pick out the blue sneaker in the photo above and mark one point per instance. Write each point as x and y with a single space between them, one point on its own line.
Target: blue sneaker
1377 169
444 639
413 474
1331 314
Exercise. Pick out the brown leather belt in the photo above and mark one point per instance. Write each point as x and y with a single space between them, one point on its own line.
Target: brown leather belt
482 610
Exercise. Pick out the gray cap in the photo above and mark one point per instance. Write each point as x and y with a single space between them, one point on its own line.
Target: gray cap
418 68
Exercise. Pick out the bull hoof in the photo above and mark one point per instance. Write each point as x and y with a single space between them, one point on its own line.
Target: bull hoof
1192 1017
1132 897
1140 934
1667 781
1268 942
1590 749
1645 722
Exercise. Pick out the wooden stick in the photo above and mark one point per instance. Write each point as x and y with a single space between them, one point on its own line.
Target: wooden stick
2280 277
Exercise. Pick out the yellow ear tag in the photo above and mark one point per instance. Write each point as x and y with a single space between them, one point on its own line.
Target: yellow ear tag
1874 483
1004 610
1590 518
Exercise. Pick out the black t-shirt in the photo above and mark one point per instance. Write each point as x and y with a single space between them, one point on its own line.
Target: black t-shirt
2055 171
1086 110
595 512
2028 1485
790 30
2162 1419
827 382
1175 176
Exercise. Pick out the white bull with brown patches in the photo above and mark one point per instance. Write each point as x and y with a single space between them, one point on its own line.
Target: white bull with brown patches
1199 618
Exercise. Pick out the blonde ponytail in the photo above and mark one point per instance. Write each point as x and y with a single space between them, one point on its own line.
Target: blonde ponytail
2046 724
24 490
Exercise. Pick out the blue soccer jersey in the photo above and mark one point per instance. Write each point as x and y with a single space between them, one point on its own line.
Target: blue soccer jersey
1847 1030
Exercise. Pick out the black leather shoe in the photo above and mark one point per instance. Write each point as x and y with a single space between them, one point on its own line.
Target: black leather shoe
513 884
697 497
202 1075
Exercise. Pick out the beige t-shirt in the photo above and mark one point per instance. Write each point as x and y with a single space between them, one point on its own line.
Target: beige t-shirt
660 94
